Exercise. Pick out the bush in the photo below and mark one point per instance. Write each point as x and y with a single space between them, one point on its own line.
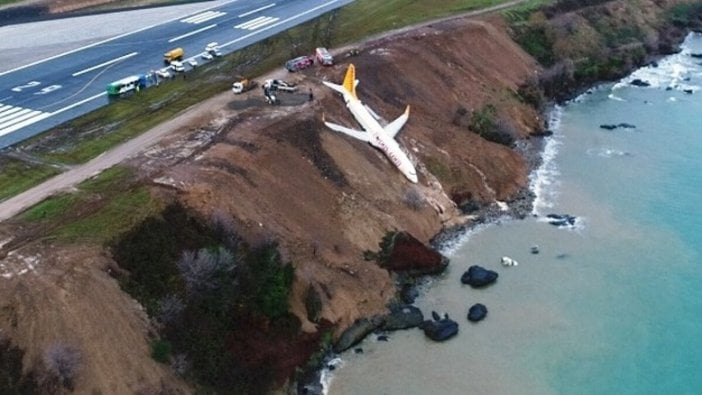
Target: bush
272 281
485 123
161 350
12 381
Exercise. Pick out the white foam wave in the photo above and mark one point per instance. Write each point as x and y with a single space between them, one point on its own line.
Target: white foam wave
612 96
607 152
672 72
544 180
449 248
326 376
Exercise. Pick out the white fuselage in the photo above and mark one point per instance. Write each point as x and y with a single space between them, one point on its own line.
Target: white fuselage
379 139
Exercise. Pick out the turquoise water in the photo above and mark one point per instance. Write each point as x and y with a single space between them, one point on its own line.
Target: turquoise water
612 306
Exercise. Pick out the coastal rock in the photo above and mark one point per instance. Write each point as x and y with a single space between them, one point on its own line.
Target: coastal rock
477 276
477 312
356 332
613 126
688 91
561 220
410 256
639 82
441 329
403 317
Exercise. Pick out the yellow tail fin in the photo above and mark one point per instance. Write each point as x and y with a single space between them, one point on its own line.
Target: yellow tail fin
350 81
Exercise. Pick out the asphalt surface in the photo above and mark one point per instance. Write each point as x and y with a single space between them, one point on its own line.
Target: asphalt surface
44 93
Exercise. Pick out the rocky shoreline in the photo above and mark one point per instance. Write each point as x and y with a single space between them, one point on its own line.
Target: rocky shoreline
519 207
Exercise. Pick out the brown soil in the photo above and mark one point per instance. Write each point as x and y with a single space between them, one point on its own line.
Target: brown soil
282 174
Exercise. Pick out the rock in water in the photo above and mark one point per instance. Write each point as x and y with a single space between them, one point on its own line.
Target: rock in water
477 312
561 219
403 317
356 332
477 276
440 330
639 82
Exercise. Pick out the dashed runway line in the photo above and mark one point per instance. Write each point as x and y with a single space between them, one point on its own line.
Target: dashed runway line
204 17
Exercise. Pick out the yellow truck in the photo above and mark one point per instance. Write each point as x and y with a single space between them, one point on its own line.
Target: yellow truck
173 54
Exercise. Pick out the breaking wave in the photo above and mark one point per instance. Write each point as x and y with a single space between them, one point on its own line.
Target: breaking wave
675 72
544 180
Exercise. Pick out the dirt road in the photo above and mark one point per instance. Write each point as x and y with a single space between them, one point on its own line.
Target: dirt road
69 179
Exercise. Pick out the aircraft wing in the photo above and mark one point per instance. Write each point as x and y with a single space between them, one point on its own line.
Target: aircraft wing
394 127
357 134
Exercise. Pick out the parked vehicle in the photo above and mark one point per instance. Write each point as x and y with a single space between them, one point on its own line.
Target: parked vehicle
177 66
299 63
206 56
173 54
128 84
242 86
163 73
192 63
323 56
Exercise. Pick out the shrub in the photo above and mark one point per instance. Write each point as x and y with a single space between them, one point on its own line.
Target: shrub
161 350
485 123
12 381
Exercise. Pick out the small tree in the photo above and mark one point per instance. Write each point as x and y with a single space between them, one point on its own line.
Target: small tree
203 270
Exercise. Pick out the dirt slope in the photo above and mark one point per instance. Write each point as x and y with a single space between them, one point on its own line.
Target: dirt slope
282 174
329 198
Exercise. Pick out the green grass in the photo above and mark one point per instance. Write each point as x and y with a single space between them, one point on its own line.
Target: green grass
118 214
101 208
51 208
17 176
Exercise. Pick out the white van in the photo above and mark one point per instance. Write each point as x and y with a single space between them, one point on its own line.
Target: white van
177 66
212 47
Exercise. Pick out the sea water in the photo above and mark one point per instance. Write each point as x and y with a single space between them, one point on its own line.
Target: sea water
612 305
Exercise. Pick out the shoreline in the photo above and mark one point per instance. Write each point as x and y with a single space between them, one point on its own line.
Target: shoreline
520 207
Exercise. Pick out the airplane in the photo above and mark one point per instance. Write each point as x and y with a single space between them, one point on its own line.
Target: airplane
374 134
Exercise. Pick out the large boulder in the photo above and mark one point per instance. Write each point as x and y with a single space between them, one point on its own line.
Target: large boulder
356 332
477 312
441 329
403 317
477 276
402 252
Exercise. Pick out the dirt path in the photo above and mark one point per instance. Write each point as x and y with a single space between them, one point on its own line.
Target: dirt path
69 179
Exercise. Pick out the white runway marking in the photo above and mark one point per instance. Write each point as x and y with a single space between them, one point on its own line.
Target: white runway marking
192 33
256 23
109 62
204 17
292 18
265 7
14 118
